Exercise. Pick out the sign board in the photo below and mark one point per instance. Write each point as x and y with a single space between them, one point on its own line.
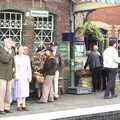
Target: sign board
80 51
67 36
109 1
64 49
113 38
36 13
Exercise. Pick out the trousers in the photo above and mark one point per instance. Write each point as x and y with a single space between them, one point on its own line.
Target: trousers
111 77
5 94
47 89
55 84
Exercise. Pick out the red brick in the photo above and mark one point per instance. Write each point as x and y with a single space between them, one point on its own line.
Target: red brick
109 15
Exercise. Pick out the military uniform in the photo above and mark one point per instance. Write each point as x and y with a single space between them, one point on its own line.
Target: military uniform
38 60
6 75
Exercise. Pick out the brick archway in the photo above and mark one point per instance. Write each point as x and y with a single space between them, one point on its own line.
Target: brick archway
102 25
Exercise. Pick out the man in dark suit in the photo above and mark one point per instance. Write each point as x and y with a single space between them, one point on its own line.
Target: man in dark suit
94 63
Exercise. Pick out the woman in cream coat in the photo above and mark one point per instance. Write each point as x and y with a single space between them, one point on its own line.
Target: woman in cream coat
23 77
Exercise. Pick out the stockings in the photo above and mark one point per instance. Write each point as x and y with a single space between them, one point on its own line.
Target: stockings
21 102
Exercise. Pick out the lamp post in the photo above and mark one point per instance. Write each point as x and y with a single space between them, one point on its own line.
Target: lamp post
72 52
72 62
74 89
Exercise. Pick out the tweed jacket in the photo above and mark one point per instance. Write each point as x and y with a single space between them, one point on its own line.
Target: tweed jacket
6 65
38 61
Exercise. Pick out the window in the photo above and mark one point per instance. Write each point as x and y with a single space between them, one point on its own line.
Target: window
11 26
43 30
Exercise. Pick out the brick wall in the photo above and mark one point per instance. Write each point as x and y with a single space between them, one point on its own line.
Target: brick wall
110 15
59 7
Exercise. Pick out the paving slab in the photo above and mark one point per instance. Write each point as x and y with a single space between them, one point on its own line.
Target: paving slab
64 103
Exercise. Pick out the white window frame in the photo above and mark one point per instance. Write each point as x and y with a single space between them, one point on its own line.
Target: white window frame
11 28
43 30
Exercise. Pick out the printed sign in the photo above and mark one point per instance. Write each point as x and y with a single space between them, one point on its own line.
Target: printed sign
35 13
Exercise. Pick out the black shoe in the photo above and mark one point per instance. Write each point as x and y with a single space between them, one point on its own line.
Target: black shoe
51 101
107 97
114 96
7 111
2 112
25 109
56 98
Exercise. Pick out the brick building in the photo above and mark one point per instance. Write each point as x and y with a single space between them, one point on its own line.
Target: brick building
108 19
105 16
34 22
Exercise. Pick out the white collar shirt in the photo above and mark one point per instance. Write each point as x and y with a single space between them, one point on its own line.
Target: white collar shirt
110 58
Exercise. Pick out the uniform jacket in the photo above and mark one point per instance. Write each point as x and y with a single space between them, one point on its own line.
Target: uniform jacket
50 66
6 65
93 60
38 61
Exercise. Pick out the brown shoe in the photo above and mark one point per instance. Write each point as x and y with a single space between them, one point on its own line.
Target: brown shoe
19 109
25 109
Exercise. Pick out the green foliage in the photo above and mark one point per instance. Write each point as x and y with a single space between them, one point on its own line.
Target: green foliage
91 29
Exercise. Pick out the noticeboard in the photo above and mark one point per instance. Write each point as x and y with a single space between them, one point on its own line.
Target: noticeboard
79 54
64 49
79 49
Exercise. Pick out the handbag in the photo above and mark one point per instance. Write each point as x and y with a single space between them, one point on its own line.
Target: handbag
39 77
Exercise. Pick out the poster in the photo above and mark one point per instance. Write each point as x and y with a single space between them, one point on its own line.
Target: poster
79 54
64 49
